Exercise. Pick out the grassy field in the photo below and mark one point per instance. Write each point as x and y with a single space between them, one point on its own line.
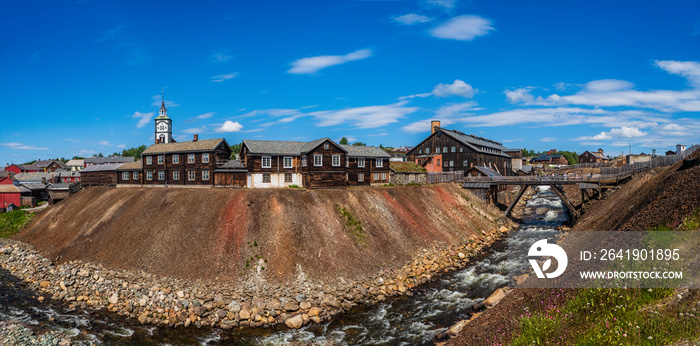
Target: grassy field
13 222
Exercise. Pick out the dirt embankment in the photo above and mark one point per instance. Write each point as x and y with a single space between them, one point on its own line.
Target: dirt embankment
222 234
664 196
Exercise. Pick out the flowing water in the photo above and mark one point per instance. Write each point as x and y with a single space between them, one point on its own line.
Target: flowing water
408 320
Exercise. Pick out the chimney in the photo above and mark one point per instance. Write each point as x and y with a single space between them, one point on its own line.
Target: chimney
433 125
196 137
601 152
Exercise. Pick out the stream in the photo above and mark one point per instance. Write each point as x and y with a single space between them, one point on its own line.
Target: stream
405 320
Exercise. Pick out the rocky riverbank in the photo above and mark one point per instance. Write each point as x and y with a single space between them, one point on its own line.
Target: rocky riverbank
182 303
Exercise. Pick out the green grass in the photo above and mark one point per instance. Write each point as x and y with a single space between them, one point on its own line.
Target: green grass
353 225
13 222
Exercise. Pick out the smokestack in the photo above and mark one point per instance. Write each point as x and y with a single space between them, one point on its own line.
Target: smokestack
196 137
433 125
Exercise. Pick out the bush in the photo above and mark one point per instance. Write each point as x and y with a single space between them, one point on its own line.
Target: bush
12 222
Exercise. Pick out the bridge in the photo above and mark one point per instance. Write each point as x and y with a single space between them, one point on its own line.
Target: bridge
595 182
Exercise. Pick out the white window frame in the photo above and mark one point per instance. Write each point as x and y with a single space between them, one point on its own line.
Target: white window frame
325 145
360 177
335 160
454 149
379 163
461 149
149 175
284 162
161 175
427 150
190 158
205 174
437 150
318 158
191 175
444 150
176 158
376 176
420 151
176 175
269 178
383 176
149 160
136 175
161 159
361 162
303 161
452 163
205 157
347 161
269 162
125 175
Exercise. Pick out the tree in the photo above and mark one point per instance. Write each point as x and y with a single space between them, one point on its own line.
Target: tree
344 141
134 152
236 148
359 144
78 158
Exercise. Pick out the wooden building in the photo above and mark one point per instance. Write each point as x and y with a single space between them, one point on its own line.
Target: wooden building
451 150
478 171
10 194
551 160
184 163
50 165
593 157
366 165
130 173
91 161
232 174
17 169
100 175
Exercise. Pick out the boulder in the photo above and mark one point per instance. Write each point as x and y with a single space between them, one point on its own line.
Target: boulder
494 298
295 322
456 328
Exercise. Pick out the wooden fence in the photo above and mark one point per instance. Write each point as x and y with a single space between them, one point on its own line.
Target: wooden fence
659 161
445 177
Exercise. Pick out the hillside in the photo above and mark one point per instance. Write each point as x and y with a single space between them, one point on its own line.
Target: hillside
219 234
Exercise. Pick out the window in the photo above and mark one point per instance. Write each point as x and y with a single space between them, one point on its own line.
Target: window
287 162
136 175
454 149
444 149
335 160
190 158
465 163
380 162
303 160
420 151
452 163
445 163
266 162
383 176
205 174
176 175
347 161
161 175
360 177
438 162
361 162
266 178
461 149
376 176
149 174
287 177
318 160
190 174
427 150
125 175
176 158
437 150
205 157
161 159
325 145
149 160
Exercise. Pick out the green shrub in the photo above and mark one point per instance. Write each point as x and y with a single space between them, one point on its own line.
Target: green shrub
12 222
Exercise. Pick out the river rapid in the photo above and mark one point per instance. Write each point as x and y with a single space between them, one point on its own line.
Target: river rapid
404 320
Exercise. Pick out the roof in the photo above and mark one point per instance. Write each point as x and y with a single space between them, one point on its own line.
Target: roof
101 168
34 176
200 145
31 167
72 163
511 150
487 171
362 151
4 174
9 188
102 160
129 166
43 163
61 186
526 168
34 186
164 113
232 166
475 143
545 157
292 148
596 154
476 185
68 173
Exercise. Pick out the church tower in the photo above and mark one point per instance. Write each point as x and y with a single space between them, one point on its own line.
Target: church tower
164 128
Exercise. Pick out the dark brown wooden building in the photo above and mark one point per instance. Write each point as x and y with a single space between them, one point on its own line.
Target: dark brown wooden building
130 173
184 163
451 150
366 165
232 174
554 160
100 175
593 157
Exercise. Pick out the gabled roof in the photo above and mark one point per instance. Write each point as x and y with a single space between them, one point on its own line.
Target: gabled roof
9 188
101 168
34 176
130 166
30 167
526 168
475 143
362 151
34 186
545 157
191 146
309 146
291 148
4 174
232 166
487 171
101 160
43 163
75 163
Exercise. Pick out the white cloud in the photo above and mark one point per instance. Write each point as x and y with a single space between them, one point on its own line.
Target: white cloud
223 77
624 132
121 146
313 64
411 18
220 57
144 118
463 28
230 126
457 88
548 139
608 85
447 114
688 69
447 5
195 130
104 143
20 146
157 100
523 96
364 117
205 116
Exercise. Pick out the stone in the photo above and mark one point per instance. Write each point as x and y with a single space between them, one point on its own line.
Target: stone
180 294
291 306
305 305
44 284
113 299
300 298
234 306
521 278
274 304
494 298
461 255
221 313
295 322
244 314
456 328
143 318
143 301
315 319
541 211
314 311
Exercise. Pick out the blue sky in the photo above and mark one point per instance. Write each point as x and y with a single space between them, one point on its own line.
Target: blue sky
83 77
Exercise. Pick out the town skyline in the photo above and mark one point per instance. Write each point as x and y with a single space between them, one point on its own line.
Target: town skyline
83 78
